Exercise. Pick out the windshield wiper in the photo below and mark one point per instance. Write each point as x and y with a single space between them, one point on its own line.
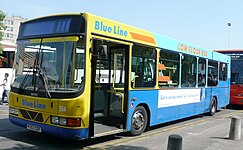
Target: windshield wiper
26 77
41 73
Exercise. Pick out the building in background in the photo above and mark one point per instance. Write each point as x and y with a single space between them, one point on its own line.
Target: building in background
8 42
10 33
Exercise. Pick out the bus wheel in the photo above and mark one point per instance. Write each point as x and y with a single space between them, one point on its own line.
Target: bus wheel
139 121
213 107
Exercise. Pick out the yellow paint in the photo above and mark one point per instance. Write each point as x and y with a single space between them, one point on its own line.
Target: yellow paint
75 108
106 24
58 39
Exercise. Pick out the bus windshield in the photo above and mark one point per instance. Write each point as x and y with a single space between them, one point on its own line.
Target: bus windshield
236 72
236 62
50 64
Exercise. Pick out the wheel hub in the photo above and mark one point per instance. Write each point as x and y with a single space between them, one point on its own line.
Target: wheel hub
138 120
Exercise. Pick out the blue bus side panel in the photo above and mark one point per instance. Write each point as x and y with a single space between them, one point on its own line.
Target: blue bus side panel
223 93
166 107
169 105
187 110
221 57
180 103
147 97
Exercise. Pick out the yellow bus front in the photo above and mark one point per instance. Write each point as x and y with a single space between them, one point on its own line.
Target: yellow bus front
48 93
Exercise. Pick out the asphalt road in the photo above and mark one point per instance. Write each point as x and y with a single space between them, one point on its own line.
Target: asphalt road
201 132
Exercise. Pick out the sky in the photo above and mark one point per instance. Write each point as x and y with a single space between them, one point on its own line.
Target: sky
199 22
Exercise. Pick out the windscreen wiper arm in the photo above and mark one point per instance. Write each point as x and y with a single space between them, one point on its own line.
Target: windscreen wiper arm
41 73
25 77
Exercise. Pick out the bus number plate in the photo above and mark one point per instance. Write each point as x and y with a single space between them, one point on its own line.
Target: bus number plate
33 128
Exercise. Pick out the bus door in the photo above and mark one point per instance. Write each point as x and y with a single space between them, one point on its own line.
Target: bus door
108 89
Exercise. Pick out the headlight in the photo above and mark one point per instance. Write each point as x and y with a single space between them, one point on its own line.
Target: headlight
240 94
55 120
70 122
63 121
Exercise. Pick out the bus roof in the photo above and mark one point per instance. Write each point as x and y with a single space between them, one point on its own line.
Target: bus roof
51 15
102 26
9 49
229 50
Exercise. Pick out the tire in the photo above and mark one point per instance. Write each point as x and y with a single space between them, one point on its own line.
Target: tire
139 121
213 107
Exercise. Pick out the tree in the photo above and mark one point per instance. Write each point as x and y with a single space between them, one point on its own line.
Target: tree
2 27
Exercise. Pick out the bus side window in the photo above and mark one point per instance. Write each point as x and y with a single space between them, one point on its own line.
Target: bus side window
201 72
223 72
189 70
169 67
143 67
11 59
5 62
212 73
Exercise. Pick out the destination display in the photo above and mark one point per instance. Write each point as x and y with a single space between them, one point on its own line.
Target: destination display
53 25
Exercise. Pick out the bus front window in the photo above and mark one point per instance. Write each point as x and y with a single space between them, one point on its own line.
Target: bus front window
236 72
50 65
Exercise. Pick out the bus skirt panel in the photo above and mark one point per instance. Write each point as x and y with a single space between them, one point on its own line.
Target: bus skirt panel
53 130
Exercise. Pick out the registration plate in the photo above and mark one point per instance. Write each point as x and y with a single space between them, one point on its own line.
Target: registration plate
33 128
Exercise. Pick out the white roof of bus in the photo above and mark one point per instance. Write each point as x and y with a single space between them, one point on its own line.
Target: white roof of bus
9 49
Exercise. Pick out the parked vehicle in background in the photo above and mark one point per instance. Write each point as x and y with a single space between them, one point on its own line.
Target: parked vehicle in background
6 65
236 84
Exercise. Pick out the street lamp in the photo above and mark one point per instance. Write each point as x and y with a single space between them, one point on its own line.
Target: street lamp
229 40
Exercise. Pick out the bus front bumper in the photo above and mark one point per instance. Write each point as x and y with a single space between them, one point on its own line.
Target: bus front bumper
76 134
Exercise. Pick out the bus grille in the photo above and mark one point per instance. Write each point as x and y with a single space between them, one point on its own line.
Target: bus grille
31 115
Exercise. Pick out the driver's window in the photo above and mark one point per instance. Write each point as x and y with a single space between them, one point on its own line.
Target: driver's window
79 63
